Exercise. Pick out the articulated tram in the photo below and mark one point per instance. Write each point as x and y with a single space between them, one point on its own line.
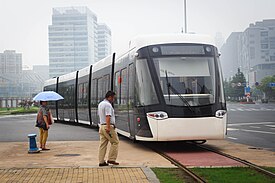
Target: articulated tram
169 88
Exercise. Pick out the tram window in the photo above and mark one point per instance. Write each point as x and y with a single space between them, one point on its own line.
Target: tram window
106 80
123 94
117 87
131 75
100 89
94 92
80 93
146 94
85 93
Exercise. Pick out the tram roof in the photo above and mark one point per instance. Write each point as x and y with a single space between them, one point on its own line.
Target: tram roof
147 40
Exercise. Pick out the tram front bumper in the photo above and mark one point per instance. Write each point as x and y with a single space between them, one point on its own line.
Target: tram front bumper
174 129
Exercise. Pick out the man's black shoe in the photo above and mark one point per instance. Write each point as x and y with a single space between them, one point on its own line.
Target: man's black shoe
103 164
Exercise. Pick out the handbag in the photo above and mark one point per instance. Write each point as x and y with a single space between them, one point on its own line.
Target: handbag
40 124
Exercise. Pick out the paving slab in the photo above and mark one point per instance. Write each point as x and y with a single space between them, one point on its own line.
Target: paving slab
83 175
259 157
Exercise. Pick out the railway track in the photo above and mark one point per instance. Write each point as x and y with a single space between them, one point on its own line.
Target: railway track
251 165
174 159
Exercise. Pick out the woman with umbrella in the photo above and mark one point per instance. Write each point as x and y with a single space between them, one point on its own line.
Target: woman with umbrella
44 117
43 123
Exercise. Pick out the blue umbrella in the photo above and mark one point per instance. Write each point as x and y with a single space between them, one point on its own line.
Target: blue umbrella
48 96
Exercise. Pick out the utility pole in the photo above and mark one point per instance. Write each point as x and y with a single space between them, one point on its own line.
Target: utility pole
185 17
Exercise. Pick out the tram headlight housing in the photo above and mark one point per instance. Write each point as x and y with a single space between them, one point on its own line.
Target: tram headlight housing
220 113
159 115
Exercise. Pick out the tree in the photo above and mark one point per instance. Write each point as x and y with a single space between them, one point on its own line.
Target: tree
235 87
265 87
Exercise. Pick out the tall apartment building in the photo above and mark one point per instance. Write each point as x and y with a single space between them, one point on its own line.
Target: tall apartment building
72 40
229 55
104 39
255 51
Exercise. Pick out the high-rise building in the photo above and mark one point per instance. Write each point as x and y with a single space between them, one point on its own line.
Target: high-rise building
254 50
10 73
72 37
257 51
10 62
103 41
229 55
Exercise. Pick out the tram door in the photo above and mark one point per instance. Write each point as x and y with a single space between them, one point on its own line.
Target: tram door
131 87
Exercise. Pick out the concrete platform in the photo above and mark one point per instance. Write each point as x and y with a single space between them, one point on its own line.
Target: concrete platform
259 157
76 154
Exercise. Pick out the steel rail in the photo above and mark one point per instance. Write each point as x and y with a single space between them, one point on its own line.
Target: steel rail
180 166
249 164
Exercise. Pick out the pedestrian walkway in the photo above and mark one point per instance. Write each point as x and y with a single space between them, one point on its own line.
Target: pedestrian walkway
79 175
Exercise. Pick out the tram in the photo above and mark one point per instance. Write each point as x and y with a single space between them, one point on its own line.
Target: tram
168 88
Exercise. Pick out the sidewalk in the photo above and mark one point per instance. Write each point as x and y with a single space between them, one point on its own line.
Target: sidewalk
78 175
77 161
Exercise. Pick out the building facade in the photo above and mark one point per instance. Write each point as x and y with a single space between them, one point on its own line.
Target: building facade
73 40
104 41
10 73
229 55
254 49
257 51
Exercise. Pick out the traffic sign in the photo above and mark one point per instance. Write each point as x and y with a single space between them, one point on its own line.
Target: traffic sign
246 90
271 84
239 84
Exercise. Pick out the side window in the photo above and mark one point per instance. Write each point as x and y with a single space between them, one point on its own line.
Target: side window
106 83
100 91
117 87
85 93
131 76
80 94
124 88
94 93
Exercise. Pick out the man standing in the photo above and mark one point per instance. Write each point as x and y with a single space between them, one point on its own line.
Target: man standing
107 130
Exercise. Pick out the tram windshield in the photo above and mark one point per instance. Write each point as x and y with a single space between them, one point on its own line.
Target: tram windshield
191 78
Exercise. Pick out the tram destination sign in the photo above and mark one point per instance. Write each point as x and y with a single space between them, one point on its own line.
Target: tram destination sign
183 50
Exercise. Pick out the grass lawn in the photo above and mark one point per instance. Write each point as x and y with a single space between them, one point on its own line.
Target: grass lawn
171 175
236 174
19 110
271 169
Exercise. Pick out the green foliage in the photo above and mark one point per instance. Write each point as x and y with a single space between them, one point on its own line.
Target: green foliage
235 174
264 86
19 110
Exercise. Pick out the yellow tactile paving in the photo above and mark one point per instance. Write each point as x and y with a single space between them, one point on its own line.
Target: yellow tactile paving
78 175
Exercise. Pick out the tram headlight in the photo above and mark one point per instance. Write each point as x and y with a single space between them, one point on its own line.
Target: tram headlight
159 115
220 113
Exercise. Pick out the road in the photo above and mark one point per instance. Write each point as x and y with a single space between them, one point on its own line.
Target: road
17 128
252 124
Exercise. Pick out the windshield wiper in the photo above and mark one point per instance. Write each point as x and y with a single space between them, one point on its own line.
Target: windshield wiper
170 87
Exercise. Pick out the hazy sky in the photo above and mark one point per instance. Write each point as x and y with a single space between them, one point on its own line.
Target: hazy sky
24 23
